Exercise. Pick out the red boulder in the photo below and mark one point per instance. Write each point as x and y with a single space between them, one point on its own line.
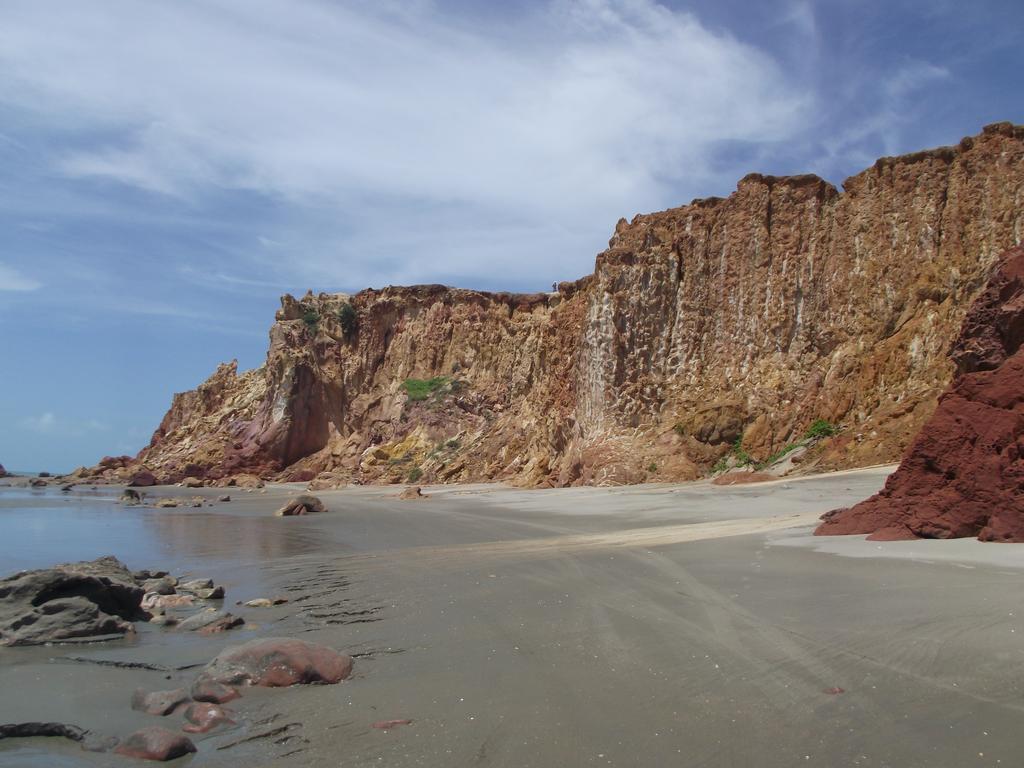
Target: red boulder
155 743
964 473
278 662
203 716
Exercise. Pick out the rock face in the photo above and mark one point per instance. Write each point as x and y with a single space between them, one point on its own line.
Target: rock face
68 602
276 663
964 473
745 318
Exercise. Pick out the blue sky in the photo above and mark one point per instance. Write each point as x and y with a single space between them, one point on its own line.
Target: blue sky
171 168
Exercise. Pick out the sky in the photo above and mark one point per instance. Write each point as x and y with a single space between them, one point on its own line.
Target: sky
171 168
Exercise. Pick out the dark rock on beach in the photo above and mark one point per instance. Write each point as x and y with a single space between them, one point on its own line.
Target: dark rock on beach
67 602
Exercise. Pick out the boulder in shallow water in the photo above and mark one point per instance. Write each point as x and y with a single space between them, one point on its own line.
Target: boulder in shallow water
155 743
192 482
278 662
69 601
301 505
413 492
210 620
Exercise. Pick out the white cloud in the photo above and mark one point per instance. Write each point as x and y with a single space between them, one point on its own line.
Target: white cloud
47 423
582 112
13 280
44 423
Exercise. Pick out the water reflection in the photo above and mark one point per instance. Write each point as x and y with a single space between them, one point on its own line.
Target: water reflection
38 530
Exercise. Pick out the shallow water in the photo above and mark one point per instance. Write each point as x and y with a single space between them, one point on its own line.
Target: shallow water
41 528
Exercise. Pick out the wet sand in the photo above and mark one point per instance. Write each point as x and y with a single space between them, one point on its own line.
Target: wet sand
688 625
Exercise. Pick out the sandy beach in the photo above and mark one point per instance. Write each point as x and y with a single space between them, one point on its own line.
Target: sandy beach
689 625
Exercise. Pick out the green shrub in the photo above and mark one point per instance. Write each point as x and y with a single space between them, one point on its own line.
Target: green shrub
453 443
348 318
652 467
679 430
742 457
820 428
721 465
415 474
421 389
311 317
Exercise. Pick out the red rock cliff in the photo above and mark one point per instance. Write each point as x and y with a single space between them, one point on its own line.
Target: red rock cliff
740 318
964 473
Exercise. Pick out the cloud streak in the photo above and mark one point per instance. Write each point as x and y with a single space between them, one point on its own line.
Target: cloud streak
13 280
596 111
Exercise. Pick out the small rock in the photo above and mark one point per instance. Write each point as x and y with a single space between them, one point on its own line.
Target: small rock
191 482
414 492
155 743
154 602
217 593
194 585
224 498
301 505
205 689
130 496
386 725
223 624
67 487
212 620
166 503
159 703
163 620
204 716
37 483
162 586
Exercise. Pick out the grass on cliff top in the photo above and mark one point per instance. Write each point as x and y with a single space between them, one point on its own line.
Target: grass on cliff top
421 389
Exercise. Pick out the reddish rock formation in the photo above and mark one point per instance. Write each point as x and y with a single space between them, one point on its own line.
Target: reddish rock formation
745 318
203 716
155 743
964 473
277 663
207 690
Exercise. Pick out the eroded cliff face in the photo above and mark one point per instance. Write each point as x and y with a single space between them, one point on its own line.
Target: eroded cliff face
964 472
744 318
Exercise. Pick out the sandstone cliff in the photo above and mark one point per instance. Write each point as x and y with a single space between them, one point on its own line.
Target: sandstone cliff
964 473
739 319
